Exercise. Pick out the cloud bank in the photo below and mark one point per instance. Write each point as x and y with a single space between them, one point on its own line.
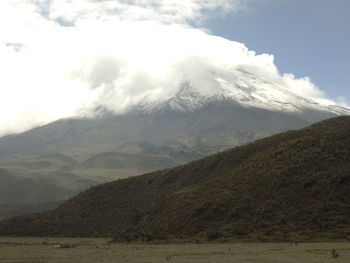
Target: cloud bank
62 58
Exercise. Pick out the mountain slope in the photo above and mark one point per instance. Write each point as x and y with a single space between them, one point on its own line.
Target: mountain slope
290 186
15 209
165 139
244 89
182 119
58 160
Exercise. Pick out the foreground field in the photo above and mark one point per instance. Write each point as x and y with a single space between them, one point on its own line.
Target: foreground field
41 250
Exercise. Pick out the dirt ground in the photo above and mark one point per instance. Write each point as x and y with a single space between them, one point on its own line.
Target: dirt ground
41 250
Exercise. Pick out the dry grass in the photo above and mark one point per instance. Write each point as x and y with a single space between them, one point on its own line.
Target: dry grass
42 250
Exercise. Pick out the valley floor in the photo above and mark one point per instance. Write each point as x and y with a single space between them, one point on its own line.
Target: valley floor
42 250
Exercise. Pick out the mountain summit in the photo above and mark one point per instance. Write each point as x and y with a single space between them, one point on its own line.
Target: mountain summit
185 99
265 94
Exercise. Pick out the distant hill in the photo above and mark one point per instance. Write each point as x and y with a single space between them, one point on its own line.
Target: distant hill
9 210
290 186
40 179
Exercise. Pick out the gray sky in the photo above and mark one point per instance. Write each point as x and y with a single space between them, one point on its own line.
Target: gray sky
307 37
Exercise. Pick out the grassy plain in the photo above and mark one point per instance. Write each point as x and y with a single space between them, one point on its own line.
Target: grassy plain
42 250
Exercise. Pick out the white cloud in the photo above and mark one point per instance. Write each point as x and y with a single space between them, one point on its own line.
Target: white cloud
165 11
60 57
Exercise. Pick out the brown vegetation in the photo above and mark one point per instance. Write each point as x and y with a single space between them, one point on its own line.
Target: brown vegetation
291 186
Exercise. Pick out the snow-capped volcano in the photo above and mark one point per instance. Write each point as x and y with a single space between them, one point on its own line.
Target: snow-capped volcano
157 132
243 89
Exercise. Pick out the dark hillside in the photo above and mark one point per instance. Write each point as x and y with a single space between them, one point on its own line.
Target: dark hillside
291 186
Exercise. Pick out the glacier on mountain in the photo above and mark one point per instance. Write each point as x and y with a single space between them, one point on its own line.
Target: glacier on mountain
242 88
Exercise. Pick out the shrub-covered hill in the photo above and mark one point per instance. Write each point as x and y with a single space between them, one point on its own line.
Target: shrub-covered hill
290 186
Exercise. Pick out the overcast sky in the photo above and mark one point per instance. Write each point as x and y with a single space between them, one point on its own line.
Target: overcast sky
62 58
